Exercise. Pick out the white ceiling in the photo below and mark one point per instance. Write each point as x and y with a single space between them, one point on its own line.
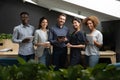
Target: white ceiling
110 7
83 8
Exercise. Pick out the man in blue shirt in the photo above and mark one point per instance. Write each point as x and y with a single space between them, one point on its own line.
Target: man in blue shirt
58 37
22 35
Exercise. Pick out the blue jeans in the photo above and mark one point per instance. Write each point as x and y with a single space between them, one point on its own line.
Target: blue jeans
45 58
92 60
27 57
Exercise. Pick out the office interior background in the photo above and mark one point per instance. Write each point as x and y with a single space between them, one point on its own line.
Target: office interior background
109 26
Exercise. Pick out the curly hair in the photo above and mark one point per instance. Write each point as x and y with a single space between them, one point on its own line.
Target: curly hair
94 19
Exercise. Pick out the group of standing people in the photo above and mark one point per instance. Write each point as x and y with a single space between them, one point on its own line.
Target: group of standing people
59 37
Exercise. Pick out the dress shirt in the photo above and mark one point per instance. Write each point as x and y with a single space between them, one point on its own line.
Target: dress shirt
20 32
56 31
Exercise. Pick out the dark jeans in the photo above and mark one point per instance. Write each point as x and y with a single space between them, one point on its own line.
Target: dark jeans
59 57
27 57
75 57
118 57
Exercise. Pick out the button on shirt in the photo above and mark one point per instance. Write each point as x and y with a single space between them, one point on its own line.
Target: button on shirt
56 31
20 32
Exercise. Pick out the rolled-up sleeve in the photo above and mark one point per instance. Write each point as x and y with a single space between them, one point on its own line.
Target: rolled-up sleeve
35 37
100 38
15 38
51 37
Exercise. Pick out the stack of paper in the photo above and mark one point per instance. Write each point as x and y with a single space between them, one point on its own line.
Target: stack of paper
5 49
90 39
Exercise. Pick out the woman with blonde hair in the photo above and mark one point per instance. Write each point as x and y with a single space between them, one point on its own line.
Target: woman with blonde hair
94 41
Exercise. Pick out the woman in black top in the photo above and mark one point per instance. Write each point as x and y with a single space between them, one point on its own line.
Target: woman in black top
77 42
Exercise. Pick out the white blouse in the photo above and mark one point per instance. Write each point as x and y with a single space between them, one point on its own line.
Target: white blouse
92 49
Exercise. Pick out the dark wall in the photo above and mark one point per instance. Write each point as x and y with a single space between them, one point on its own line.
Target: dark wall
10 10
111 34
111 37
108 35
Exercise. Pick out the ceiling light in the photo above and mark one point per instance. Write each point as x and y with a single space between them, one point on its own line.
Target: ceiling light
30 1
68 13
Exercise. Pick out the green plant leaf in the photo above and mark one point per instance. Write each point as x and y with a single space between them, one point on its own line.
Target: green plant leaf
21 60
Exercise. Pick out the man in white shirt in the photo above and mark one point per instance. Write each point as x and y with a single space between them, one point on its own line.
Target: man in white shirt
20 34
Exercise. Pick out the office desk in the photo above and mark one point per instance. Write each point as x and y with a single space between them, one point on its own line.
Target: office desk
8 58
106 54
103 54
13 46
9 54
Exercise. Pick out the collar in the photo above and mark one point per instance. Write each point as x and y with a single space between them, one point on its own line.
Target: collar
59 26
25 25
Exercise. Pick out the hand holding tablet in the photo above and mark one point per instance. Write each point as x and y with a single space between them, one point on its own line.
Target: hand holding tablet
27 39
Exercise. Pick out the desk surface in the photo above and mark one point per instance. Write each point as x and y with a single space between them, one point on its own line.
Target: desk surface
104 52
9 53
107 53
9 44
15 52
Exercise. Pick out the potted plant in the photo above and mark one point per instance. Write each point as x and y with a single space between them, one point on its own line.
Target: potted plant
35 71
4 36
